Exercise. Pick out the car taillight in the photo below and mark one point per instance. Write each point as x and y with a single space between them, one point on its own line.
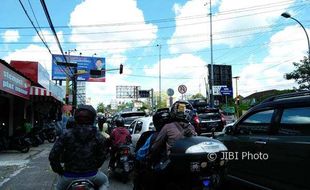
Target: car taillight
126 152
196 119
223 119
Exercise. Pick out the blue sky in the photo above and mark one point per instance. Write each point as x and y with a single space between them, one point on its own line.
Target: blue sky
249 35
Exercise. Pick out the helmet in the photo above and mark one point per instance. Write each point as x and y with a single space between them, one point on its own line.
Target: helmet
182 111
161 117
119 122
85 114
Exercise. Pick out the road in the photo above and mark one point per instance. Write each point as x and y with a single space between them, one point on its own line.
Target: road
31 171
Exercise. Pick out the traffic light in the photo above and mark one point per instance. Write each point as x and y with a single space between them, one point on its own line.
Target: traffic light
121 69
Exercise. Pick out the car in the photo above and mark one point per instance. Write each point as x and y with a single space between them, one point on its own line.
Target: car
128 117
139 126
210 120
269 146
228 116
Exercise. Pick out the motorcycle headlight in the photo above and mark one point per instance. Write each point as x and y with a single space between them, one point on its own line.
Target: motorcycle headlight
206 147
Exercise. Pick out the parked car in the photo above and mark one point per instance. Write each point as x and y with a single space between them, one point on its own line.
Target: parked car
139 126
229 117
279 130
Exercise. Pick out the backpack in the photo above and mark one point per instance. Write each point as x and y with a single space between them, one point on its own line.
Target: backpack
142 153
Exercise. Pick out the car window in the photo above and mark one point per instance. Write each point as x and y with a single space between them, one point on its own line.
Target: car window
209 116
257 123
132 126
138 127
295 121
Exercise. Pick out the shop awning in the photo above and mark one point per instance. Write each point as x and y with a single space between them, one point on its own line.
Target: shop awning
39 91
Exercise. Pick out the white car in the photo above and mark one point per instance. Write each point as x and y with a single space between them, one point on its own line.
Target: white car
139 126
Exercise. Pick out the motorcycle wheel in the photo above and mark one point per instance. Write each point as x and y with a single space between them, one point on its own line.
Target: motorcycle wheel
24 149
51 138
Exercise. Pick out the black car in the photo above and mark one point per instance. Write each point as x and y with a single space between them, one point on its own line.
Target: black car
208 119
269 146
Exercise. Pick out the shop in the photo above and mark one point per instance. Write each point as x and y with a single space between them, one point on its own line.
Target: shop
14 98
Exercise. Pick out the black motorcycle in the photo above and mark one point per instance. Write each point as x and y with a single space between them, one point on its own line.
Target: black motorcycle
123 165
81 184
195 163
19 143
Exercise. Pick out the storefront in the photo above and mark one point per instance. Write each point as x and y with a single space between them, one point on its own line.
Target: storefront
14 98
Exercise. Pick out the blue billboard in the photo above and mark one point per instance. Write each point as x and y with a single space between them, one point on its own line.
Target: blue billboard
86 65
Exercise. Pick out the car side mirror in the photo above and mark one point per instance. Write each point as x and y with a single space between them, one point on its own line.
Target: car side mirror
229 130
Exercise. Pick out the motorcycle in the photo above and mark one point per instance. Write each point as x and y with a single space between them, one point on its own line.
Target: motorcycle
123 165
48 133
194 163
81 184
19 143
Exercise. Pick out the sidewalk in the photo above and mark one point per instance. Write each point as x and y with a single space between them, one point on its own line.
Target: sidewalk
13 162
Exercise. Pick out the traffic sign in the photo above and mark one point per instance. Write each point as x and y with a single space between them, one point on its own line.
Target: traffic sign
182 89
170 92
144 93
226 91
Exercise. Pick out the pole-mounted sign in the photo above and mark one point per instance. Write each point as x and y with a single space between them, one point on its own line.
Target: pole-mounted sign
182 89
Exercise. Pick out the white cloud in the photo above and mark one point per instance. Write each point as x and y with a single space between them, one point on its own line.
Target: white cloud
185 69
32 53
48 37
231 16
103 13
11 36
269 74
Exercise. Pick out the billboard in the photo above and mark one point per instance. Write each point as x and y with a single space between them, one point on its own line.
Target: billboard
84 65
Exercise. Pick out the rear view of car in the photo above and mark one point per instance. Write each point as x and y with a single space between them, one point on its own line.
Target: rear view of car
210 120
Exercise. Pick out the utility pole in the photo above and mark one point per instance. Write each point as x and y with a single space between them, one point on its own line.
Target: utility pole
159 73
237 95
211 48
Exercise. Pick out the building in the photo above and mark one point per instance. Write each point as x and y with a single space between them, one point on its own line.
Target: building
81 92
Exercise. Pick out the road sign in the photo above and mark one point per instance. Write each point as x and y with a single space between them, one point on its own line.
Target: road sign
170 92
144 93
182 89
216 89
226 91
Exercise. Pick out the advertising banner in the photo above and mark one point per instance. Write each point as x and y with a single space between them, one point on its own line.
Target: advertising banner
13 83
84 65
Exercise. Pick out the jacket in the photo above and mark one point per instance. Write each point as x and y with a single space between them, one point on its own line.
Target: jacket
119 136
169 134
81 149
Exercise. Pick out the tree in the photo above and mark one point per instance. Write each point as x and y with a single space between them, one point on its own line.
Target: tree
198 96
100 108
301 74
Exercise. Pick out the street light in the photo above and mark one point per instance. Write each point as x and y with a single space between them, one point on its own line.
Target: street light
237 95
287 15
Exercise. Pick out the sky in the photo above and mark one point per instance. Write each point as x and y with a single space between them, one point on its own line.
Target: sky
249 35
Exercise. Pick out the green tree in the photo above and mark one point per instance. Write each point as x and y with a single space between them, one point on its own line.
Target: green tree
301 74
198 96
100 107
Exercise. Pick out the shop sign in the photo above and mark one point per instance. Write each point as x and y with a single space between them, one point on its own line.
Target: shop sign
13 83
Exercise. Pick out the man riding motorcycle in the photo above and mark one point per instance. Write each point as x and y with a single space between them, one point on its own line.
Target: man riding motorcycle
81 149
119 136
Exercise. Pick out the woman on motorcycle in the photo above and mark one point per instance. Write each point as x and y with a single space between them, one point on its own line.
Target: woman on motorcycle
81 149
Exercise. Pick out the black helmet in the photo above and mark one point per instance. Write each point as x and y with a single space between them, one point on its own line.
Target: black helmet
85 114
161 117
182 111
119 122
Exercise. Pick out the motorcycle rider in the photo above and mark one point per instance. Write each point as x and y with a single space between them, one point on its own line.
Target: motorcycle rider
181 113
81 149
119 136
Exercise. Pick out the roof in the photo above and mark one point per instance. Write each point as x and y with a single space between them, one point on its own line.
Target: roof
261 94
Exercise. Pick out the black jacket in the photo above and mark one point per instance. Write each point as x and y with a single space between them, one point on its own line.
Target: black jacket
82 149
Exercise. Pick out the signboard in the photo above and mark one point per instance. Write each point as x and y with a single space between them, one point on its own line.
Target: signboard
84 65
127 92
13 83
182 89
170 92
217 88
144 93
33 70
57 91
226 91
